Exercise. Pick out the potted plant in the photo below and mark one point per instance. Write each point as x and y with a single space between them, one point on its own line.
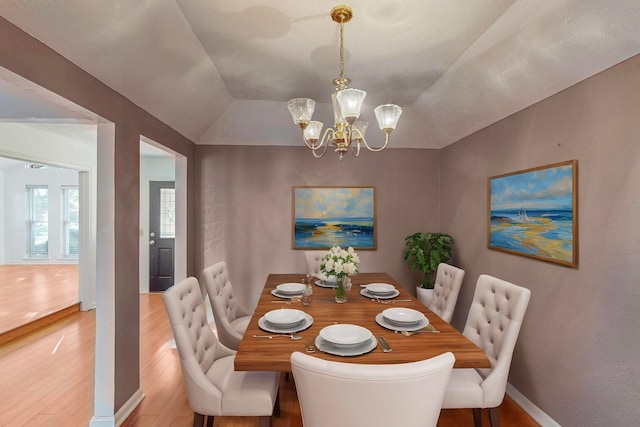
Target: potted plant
424 252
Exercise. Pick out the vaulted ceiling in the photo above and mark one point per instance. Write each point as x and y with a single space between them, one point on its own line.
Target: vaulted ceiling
220 72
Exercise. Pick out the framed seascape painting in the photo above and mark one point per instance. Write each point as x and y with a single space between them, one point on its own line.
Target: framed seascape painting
534 213
334 216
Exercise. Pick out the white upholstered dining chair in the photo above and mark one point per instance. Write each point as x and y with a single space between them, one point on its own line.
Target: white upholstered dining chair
313 260
213 386
493 324
231 318
445 291
341 394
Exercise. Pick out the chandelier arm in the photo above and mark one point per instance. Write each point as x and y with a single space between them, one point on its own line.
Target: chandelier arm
386 141
311 146
316 155
324 142
326 138
355 151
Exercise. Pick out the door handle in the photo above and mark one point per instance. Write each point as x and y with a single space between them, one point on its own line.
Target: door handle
152 242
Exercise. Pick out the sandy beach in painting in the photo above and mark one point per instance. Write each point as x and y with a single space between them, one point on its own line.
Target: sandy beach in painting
543 233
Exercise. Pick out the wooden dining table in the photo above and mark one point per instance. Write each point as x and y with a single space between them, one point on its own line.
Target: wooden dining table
263 354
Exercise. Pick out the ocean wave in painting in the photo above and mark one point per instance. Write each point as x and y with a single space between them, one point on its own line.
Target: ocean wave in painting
345 232
545 233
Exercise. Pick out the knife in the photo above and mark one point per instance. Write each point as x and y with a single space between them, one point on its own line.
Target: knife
384 344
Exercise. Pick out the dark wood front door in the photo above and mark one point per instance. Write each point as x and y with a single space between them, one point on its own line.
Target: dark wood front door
161 235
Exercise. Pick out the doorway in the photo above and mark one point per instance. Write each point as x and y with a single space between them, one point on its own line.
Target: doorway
162 232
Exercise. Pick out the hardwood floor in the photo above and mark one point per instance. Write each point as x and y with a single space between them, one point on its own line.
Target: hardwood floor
34 291
46 379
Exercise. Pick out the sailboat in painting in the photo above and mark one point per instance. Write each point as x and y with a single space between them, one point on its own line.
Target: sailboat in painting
522 216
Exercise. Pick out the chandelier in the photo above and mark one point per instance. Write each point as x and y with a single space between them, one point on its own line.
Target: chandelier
348 132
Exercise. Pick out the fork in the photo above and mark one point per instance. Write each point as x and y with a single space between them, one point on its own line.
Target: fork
388 301
426 330
291 336
293 300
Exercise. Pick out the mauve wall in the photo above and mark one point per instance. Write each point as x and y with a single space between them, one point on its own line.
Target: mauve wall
27 57
246 206
578 355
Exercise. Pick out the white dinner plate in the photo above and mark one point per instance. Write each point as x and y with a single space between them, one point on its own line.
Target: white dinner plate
266 326
345 335
402 315
380 288
366 293
363 348
290 288
324 284
380 320
285 317
277 293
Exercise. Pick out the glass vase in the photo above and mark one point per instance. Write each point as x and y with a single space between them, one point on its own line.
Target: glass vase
340 291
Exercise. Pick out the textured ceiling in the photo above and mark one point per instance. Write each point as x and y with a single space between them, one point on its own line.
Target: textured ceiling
220 72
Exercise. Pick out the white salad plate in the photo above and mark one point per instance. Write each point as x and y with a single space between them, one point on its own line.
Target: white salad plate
380 288
290 288
324 284
266 326
380 320
327 279
277 293
285 317
330 348
345 335
402 316
367 294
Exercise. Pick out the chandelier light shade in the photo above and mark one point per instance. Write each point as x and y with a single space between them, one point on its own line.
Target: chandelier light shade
387 116
348 132
350 101
301 110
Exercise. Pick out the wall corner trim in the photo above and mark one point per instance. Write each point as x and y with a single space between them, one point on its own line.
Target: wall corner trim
536 413
128 407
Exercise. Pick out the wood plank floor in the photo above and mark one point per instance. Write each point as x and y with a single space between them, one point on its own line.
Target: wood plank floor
46 379
33 291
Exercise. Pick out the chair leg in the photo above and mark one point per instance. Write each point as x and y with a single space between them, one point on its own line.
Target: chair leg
264 421
210 420
198 420
494 416
477 417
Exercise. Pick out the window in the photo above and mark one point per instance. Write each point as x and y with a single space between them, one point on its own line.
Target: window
38 221
70 225
167 213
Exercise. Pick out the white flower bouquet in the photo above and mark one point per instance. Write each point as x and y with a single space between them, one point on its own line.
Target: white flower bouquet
340 263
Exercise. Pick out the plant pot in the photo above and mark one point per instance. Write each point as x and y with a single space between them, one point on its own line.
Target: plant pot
424 295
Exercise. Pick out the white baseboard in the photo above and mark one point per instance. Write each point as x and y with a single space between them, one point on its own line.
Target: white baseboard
128 407
536 413
102 422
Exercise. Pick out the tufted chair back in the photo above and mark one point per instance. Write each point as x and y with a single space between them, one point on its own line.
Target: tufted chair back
231 318
446 290
493 324
215 277
313 260
339 394
197 345
213 386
